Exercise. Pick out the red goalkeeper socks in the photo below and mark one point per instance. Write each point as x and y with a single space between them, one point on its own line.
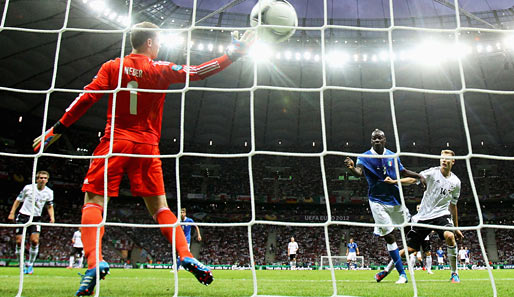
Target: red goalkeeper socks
165 216
91 214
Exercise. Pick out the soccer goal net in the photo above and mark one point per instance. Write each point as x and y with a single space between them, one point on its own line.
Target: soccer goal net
310 99
341 262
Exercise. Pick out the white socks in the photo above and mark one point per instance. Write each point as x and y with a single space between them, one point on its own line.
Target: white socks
452 257
34 250
412 259
428 263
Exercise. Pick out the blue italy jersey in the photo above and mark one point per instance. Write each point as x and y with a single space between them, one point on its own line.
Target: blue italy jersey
187 229
440 253
352 247
376 170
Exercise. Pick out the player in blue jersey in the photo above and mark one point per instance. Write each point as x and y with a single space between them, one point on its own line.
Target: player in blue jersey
352 251
440 258
384 198
187 228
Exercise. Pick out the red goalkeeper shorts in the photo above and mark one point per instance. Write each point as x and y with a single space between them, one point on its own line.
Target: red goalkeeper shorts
145 174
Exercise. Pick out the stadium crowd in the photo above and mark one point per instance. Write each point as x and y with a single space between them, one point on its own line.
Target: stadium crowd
285 188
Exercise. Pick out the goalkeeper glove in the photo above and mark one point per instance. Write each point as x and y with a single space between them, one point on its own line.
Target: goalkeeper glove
50 136
239 47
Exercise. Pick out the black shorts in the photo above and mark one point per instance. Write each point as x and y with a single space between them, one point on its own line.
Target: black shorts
22 219
426 246
416 236
77 251
292 257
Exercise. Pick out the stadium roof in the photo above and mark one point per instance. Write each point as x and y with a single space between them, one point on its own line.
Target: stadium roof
286 117
360 9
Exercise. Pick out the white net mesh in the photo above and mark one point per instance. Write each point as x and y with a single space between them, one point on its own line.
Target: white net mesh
324 27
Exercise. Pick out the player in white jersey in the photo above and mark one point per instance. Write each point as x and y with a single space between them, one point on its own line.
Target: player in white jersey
78 249
292 248
468 259
438 207
43 195
462 256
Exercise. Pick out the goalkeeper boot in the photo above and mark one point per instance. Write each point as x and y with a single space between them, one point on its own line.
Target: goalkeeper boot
88 281
403 279
25 270
455 278
30 269
381 275
202 273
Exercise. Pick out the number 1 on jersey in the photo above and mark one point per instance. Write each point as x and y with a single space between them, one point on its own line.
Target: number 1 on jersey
133 96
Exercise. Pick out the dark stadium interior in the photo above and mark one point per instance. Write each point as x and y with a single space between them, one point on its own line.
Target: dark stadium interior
288 189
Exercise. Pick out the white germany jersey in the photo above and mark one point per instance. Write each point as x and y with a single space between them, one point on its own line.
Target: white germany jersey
440 192
462 254
77 240
44 196
292 247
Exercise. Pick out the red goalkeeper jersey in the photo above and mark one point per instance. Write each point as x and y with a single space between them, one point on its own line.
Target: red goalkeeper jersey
138 114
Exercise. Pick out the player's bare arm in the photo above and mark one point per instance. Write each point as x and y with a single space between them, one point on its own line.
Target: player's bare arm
454 213
405 180
13 210
355 170
409 173
50 209
199 236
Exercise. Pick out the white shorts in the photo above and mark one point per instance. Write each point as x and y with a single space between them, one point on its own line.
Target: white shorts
440 260
387 214
352 256
466 261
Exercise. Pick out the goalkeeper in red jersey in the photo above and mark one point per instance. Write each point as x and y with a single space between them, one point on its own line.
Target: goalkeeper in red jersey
137 130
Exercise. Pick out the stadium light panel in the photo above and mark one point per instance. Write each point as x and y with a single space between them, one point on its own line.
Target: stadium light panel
220 48
298 56
384 55
479 48
307 56
107 12
20 119
261 51
489 48
288 55
210 47
112 16
278 56
201 46
97 6
316 58
374 58
509 42
365 57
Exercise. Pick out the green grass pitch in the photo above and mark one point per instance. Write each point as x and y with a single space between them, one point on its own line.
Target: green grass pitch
57 282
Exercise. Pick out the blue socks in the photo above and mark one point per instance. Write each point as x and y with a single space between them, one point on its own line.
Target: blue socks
395 255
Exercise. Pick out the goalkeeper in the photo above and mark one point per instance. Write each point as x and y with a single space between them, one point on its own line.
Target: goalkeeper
137 130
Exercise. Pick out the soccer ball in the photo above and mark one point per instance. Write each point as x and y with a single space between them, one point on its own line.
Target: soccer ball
274 12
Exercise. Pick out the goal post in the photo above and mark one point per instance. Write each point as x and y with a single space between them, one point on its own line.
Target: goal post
340 262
